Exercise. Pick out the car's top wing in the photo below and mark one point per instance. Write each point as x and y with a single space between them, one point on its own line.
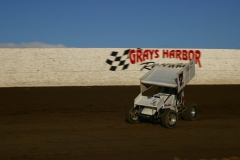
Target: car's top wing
172 75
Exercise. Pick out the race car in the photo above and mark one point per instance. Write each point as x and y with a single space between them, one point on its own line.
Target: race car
162 95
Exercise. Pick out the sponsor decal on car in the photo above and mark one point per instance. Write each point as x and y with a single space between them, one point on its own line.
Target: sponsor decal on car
167 105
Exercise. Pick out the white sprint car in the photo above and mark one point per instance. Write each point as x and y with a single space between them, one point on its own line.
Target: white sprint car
162 95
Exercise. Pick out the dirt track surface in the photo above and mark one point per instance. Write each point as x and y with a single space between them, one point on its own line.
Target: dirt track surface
88 122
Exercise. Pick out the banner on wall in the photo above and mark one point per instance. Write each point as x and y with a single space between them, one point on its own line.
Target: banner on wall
148 57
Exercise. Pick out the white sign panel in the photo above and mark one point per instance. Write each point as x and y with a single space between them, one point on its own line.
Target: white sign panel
25 67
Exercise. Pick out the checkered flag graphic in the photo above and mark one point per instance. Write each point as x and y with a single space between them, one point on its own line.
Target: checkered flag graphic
118 62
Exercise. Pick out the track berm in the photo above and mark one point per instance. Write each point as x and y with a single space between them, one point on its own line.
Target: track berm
88 123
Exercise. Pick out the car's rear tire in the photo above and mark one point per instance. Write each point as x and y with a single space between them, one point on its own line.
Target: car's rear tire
169 119
191 113
131 115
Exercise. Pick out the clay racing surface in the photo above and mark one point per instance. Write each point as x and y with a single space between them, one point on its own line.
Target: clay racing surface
88 122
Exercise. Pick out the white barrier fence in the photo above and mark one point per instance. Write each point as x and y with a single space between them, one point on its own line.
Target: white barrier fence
23 67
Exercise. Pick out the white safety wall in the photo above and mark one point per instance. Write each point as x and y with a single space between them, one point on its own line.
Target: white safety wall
25 67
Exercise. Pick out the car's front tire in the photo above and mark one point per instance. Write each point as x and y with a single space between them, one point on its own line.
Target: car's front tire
131 115
169 119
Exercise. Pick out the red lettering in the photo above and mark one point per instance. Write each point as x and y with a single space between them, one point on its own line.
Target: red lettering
197 58
178 53
139 55
184 55
132 56
165 53
156 53
172 54
190 55
145 54
151 53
